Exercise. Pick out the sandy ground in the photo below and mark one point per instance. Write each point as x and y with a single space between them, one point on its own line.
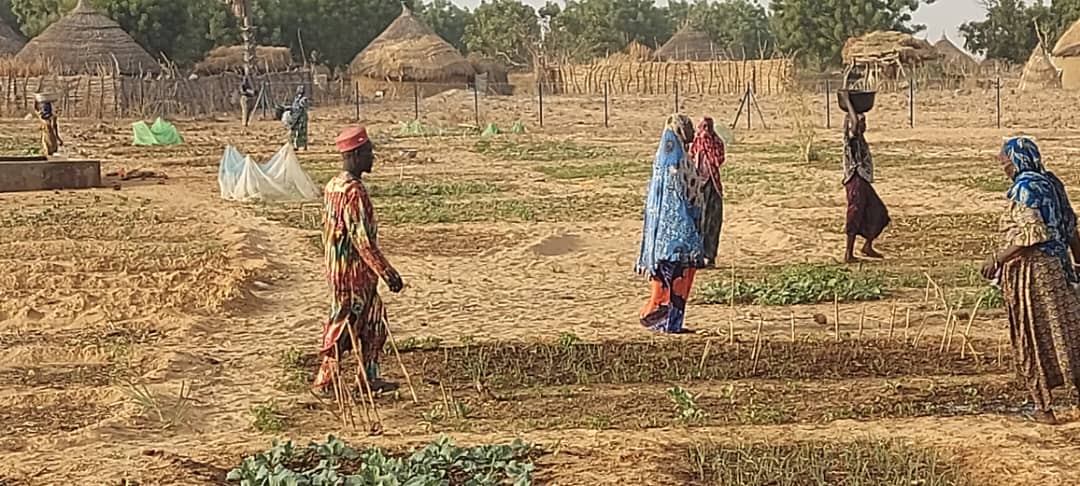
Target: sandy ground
166 286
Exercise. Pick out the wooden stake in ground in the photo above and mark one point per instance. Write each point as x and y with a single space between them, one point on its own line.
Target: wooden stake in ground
919 333
945 335
408 379
792 327
967 329
757 345
731 331
892 321
365 385
704 356
836 316
907 323
862 319
732 301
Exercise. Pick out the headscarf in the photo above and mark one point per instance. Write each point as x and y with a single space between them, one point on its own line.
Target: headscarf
670 230
1039 189
707 153
857 158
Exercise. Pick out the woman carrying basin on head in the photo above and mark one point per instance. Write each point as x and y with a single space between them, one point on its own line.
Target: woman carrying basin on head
1037 276
671 248
866 213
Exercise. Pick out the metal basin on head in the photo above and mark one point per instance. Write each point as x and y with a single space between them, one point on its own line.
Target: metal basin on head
36 173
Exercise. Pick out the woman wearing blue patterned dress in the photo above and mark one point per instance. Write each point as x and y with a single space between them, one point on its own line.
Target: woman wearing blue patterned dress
671 245
1037 276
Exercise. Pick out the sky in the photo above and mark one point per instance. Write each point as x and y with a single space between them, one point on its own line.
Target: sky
943 16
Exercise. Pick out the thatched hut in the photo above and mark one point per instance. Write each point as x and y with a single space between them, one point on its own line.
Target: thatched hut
11 41
1066 56
1039 72
634 52
887 48
230 59
497 76
688 44
85 41
953 58
408 51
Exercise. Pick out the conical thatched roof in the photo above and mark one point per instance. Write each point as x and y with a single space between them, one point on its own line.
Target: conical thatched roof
231 59
11 41
1040 72
887 47
84 41
1069 43
954 56
408 50
688 44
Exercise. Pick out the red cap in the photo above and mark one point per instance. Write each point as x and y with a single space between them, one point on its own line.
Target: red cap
351 138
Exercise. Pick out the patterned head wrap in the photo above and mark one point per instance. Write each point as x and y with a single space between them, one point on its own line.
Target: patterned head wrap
682 126
707 152
1039 189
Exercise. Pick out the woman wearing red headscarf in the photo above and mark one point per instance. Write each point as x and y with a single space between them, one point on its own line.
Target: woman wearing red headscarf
707 154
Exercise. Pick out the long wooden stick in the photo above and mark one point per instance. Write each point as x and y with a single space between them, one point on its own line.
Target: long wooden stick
408 379
366 384
704 356
892 321
967 329
862 319
792 327
757 345
945 335
836 316
907 323
731 331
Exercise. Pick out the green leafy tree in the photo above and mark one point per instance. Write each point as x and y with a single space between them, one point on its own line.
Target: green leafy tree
815 30
600 27
1008 31
447 20
739 27
507 30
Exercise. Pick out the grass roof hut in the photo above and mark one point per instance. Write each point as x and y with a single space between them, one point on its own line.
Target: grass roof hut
230 59
409 51
11 41
84 41
1040 72
886 54
688 44
1066 56
954 58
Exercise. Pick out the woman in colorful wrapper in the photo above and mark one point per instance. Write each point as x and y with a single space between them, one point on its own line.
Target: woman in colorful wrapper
1037 276
866 213
671 248
50 131
707 154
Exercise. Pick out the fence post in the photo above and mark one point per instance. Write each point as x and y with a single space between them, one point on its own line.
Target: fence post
540 91
998 101
356 99
828 103
416 101
749 114
476 102
911 102
676 88
606 84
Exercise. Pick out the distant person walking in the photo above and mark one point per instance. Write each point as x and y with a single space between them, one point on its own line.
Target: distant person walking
671 250
295 118
354 266
707 154
866 213
247 102
1037 276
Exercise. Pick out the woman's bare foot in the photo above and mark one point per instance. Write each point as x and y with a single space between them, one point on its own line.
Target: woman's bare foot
849 258
1045 417
869 252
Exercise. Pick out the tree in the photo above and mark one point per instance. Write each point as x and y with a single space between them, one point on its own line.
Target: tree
507 30
447 20
1008 31
816 30
600 27
738 27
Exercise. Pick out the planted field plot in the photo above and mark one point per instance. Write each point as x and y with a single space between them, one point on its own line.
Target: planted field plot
154 334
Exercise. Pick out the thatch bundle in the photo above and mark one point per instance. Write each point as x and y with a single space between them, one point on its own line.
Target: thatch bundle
688 44
1040 72
887 47
955 57
408 50
268 59
11 41
634 52
85 41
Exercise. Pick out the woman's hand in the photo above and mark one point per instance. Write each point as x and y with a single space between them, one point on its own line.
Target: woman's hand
990 268
393 280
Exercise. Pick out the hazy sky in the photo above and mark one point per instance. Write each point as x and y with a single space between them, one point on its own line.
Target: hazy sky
942 16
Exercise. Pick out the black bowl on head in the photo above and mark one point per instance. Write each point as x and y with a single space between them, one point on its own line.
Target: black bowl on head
861 101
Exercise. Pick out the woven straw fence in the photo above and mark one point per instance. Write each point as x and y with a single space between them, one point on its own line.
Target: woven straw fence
767 76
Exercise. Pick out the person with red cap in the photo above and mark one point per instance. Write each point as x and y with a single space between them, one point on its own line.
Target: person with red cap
354 266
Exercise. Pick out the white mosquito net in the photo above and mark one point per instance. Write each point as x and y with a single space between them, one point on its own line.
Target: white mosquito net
280 179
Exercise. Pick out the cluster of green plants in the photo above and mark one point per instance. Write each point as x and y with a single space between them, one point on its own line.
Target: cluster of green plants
547 151
860 463
617 168
799 284
334 463
686 407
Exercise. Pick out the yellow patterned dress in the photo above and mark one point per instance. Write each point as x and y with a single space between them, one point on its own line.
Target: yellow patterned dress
1043 307
354 265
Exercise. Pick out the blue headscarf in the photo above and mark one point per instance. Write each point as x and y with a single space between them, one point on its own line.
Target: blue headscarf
1039 189
670 232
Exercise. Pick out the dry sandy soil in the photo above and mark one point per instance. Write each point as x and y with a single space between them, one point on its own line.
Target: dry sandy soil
517 252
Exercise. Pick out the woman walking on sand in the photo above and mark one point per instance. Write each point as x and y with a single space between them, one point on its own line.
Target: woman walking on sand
1037 276
707 155
671 250
866 213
